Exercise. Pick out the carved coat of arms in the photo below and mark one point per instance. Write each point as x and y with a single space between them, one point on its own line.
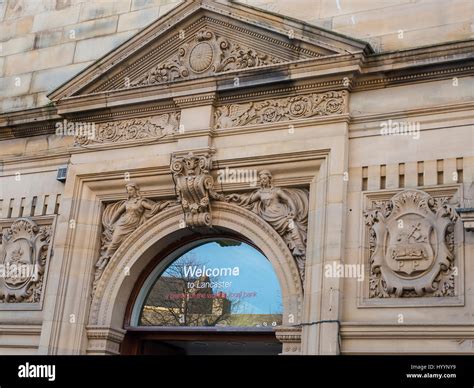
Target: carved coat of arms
23 256
411 246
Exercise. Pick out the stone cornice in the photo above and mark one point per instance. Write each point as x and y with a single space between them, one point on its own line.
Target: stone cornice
365 330
325 69
447 108
20 329
370 73
191 101
139 103
25 123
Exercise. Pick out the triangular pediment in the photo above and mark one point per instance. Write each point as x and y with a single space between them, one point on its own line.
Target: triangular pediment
202 39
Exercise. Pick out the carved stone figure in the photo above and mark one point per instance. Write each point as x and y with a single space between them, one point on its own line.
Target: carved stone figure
120 219
411 244
194 187
206 54
286 210
23 256
282 109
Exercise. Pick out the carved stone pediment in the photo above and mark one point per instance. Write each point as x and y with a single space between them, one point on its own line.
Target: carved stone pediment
23 256
199 39
207 54
411 245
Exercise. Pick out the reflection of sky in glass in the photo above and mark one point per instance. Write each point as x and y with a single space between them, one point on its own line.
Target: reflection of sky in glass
256 274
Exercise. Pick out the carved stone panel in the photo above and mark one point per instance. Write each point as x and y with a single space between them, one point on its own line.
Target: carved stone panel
148 128
23 256
411 246
207 54
282 109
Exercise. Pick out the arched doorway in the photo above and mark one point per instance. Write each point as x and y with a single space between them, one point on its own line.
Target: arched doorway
212 296
161 240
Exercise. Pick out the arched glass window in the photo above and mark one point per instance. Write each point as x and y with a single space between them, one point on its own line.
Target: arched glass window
217 283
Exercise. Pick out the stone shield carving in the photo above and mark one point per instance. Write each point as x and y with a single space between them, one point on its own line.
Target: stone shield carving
23 255
411 244
193 181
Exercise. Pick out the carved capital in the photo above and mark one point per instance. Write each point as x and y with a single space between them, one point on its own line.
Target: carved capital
467 217
290 337
23 256
191 174
411 245
104 340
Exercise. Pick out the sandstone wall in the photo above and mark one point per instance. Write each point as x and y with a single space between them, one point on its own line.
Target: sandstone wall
43 43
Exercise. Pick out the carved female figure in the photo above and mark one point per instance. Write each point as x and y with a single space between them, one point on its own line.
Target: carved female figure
286 210
121 219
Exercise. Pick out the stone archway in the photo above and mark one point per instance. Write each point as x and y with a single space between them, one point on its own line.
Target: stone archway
104 330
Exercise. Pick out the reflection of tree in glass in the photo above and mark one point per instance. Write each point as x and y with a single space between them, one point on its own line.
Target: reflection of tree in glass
179 299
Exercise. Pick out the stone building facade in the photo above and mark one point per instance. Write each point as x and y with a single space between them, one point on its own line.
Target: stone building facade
359 125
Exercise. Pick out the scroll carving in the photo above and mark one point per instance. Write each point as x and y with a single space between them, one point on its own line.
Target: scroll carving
154 127
282 109
411 246
194 182
286 210
120 219
207 54
23 256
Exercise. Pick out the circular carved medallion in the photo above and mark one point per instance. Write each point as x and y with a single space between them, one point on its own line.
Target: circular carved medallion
200 57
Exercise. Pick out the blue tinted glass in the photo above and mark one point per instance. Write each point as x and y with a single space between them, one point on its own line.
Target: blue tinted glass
222 283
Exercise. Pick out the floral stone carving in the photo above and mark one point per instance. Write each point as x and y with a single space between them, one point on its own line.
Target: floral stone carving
191 174
411 245
23 256
120 219
282 109
206 54
286 210
154 127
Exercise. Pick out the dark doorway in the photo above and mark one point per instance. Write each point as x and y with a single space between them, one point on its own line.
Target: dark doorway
200 342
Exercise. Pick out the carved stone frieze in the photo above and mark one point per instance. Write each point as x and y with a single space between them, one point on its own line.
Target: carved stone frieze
206 54
191 174
120 219
411 246
286 210
23 256
154 127
282 109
